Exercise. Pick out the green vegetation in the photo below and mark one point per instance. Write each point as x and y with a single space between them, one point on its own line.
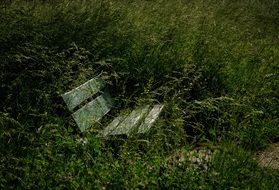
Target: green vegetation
213 63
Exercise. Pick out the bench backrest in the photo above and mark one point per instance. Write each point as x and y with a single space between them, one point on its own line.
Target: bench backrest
93 111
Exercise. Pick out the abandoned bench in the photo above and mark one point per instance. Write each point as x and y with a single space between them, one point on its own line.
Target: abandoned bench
140 120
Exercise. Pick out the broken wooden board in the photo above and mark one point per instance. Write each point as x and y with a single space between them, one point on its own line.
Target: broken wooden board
76 96
92 112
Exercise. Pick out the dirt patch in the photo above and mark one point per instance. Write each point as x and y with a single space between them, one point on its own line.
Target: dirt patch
269 157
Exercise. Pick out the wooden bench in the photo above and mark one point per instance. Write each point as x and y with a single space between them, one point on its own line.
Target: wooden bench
139 120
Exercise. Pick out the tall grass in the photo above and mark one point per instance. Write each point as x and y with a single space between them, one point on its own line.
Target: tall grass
214 64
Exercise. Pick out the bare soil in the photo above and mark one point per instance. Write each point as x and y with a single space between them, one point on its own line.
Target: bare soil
269 157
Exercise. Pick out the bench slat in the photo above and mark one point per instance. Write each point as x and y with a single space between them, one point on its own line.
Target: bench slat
150 118
112 126
131 121
92 112
76 96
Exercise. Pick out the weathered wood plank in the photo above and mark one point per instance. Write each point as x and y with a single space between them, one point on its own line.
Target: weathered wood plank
92 112
150 118
76 96
131 121
112 126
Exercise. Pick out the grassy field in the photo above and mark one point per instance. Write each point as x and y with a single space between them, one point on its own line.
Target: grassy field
214 64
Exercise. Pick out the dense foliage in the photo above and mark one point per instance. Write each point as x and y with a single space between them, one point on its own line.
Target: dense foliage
213 63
